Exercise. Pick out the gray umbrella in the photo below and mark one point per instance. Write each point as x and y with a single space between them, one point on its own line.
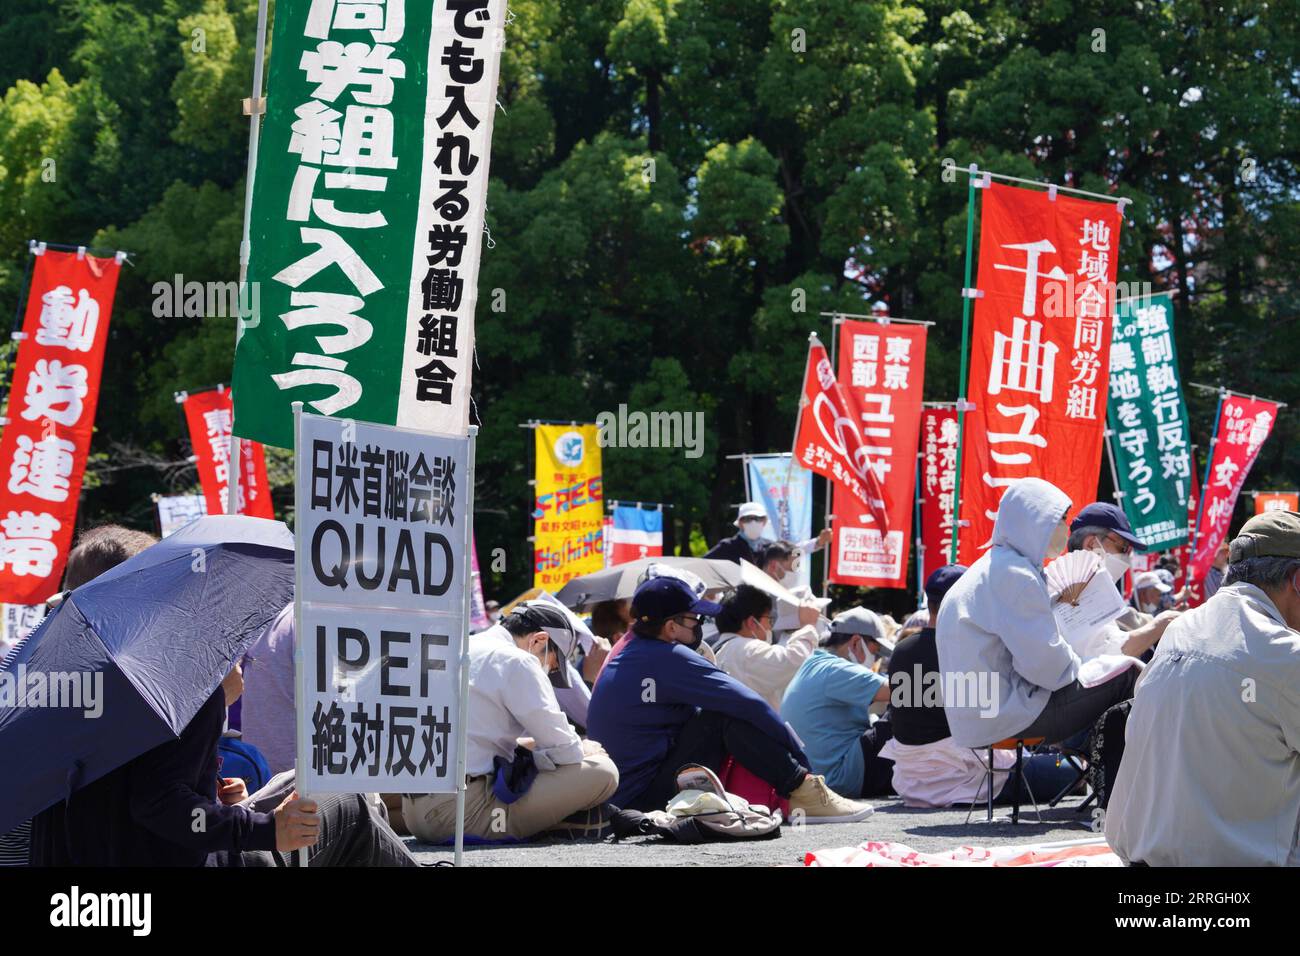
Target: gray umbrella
620 581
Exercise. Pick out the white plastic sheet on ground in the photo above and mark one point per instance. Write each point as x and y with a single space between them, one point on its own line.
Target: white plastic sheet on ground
1090 851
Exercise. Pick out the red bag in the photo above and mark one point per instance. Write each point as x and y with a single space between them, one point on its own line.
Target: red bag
736 779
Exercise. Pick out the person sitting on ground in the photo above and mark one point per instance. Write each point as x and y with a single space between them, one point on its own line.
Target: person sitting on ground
703 646
527 768
144 812
828 704
929 768
998 639
659 706
1149 592
1103 530
745 647
1211 770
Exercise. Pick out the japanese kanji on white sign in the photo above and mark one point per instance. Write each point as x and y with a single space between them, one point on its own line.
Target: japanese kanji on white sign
381 603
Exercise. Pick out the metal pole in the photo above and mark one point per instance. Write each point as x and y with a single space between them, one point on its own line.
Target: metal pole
462 706
1118 493
965 352
245 245
830 490
1205 482
299 672
920 544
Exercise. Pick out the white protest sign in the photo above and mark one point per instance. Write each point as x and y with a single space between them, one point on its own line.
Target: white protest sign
382 568
176 511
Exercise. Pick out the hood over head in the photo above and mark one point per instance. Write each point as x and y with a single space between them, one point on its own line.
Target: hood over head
1030 510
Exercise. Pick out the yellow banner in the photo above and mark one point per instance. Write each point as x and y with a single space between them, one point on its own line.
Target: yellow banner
568 507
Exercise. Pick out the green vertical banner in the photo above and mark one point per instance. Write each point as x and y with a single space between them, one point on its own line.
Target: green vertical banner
1148 421
368 208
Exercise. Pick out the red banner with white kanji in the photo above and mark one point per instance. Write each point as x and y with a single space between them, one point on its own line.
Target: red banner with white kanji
1244 424
1040 350
208 416
938 478
50 419
828 439
882 372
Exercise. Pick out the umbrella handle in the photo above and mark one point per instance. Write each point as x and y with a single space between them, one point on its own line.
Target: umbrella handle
74 781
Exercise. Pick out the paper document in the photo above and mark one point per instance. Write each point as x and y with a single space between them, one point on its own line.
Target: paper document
1098 605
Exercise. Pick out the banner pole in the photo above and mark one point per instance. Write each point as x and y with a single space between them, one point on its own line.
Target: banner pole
965 352
245 244
920 544
1118 493
299 673
830 491
462 705
1205 483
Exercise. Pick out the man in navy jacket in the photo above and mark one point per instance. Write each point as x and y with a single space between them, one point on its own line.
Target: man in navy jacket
659 706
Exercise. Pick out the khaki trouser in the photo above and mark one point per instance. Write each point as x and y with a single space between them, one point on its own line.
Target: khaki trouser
554 795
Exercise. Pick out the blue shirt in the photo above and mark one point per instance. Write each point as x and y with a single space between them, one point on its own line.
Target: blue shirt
648 692
828 704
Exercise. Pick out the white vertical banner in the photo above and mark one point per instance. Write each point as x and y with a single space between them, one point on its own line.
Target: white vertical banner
461 93
383 568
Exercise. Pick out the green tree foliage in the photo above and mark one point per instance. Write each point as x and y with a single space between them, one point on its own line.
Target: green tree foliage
680 188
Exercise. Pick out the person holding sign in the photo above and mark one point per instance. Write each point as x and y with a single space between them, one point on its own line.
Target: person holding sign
1012 672
527 769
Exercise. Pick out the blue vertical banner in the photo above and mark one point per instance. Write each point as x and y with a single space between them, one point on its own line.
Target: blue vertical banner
786 494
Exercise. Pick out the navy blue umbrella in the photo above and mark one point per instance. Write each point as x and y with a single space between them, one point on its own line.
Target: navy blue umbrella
157 634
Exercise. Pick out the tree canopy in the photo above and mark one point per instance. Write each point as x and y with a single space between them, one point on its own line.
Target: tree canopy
678 188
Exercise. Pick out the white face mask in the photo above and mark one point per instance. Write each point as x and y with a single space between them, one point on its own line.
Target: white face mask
1117 565
1149 608
867 660
753 530
764 634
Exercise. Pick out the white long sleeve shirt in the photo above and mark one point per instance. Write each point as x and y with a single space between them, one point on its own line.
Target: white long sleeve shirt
764 668
510 697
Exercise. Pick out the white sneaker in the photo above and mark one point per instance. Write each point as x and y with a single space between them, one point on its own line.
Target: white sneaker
814 802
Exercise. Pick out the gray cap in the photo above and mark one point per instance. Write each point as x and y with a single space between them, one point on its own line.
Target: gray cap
859 620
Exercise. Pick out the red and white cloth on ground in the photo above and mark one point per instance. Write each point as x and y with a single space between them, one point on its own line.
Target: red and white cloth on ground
1091 851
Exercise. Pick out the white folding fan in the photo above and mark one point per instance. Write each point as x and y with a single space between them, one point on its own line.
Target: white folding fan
1069 574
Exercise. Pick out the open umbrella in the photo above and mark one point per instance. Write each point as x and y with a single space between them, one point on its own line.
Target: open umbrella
133 655
620 581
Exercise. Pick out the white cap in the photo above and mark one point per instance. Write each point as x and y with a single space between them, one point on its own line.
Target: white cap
751 509
1151 579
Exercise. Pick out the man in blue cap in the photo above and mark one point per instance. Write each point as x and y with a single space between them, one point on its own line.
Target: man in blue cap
1104 530
659 705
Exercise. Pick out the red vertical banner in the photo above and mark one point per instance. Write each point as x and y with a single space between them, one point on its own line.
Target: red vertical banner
1244 424
50 419
1040 350
882 372
938 478
208 416
828 437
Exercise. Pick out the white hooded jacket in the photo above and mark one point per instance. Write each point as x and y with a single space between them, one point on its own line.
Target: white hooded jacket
1000 652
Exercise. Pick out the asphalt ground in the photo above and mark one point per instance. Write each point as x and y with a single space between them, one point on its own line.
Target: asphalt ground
928 830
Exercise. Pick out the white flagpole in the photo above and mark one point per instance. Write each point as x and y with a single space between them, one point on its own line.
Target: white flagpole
462 705
245 245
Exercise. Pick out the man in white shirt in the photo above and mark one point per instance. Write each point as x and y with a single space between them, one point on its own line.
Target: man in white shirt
1211 768
745 649
514 667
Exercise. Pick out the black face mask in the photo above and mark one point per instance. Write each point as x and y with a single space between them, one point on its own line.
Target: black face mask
697 635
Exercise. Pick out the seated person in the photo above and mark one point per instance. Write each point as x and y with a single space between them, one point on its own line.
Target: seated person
143 813
745 649
659 706
929 769
1104 530
828 704
1012 672
1211 768
513 666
